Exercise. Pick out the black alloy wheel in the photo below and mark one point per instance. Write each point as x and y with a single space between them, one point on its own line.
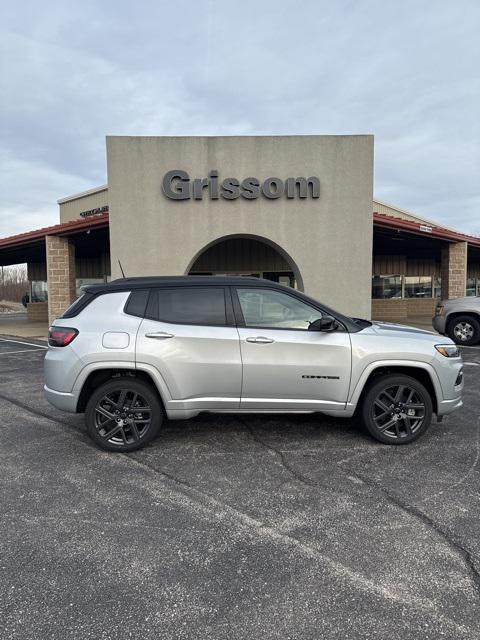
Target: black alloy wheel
397 409
123 414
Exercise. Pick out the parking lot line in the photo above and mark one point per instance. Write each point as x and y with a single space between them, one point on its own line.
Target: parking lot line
9 353
472 364
30 344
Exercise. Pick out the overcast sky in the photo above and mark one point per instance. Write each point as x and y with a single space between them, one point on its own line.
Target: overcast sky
406 71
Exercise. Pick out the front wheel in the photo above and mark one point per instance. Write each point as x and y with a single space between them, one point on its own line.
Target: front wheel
464 330
397 409
123 414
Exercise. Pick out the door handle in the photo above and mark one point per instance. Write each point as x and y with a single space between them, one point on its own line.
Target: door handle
159 335
260 340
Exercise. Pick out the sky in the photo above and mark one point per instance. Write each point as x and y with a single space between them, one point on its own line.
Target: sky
406 71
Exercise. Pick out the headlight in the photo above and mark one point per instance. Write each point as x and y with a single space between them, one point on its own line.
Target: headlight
448 350
439 310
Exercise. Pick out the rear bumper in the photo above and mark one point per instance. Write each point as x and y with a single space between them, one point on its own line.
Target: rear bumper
61 400
439 324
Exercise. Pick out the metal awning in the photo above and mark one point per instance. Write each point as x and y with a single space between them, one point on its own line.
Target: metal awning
424 229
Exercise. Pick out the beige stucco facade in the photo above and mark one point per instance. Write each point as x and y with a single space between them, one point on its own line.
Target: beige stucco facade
328 240
72 207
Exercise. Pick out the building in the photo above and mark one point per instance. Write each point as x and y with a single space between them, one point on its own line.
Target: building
295 209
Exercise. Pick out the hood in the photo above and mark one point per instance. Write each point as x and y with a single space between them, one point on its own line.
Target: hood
390 330
386 327
468 299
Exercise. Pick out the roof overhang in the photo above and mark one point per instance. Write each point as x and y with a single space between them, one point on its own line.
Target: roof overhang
64 229
30 246
423 229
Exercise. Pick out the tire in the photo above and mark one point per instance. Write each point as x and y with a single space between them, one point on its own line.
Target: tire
464 330
109 412
389 397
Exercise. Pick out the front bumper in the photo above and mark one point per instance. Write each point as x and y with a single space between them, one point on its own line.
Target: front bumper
447 406
61 400
439 324
452 383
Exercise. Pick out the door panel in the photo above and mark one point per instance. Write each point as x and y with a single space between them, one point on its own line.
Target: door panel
285 365
201 365
307 370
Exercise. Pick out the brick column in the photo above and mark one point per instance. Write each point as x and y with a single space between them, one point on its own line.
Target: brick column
454 270
60 275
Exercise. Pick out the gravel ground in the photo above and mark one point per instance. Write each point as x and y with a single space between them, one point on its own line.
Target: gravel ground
235 527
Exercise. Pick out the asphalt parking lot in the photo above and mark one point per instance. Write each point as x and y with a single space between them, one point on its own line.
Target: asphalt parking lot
231 527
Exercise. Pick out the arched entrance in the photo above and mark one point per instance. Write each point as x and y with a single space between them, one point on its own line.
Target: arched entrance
246 255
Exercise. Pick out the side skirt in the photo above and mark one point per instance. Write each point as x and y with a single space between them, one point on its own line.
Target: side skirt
185 414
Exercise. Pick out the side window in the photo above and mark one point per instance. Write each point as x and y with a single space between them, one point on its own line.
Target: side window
137 303
188 305
79 305
275 310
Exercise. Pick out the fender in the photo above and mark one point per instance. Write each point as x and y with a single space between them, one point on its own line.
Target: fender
370 368
158 381
451 315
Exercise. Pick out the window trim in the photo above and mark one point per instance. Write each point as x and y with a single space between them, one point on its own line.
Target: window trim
241 319
136 315
434 277
384 276
406 284
79 305
476 287
226 298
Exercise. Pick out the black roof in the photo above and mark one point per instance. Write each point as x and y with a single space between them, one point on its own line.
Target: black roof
122 284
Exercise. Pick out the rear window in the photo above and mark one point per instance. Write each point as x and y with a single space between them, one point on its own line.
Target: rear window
188 305
79 304
137 303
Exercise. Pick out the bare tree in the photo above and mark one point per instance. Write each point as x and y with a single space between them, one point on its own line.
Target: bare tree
13 283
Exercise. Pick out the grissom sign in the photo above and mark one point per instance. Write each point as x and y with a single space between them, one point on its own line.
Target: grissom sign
177 185
93 212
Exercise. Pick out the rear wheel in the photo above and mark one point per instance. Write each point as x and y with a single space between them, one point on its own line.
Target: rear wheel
123 414
397 409
464 330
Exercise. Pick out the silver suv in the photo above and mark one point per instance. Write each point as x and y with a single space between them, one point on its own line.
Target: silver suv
136 351
460 319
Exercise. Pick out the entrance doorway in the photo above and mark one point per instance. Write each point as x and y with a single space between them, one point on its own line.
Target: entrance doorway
245 256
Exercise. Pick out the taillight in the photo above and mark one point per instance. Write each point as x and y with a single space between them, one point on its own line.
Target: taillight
61 336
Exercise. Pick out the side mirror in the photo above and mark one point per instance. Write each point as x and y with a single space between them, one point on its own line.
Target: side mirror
325 323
